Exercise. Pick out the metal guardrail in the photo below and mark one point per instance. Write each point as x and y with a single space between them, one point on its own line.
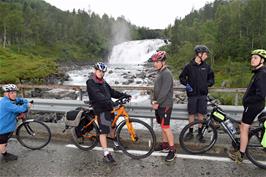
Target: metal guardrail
135 110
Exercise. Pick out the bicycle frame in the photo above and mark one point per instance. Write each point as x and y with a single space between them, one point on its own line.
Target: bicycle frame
120 111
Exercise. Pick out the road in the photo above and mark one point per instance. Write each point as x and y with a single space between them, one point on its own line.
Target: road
63 159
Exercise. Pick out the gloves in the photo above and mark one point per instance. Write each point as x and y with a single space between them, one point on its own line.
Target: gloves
189 88
127 96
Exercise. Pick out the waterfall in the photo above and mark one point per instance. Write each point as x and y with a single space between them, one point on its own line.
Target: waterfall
134 52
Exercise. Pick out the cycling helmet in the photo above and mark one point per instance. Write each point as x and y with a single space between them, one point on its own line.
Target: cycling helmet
260 52
100 66
201 49
158 56
9 88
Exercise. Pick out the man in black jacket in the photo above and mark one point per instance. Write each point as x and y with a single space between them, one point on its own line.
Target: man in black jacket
253 101
100 94
197 76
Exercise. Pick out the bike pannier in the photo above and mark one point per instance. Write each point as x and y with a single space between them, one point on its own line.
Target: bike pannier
73 117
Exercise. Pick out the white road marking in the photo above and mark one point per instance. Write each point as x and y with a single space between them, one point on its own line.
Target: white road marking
183 156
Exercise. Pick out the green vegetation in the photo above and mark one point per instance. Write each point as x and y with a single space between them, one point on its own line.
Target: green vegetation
19 68
34 32
230 28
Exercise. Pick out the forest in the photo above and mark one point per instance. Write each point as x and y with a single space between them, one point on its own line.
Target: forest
41 36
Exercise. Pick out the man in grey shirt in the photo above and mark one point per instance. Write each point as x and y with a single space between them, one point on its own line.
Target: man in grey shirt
162 103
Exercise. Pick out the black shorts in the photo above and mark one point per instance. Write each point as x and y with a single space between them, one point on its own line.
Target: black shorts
197 104
251 112
5 137
105 121
163 116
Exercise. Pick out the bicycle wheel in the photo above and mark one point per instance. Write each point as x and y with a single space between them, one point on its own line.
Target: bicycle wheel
255 152
87 140
144 140
198 144
33 134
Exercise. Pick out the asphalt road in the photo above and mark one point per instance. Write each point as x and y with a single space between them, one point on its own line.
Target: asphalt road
63 159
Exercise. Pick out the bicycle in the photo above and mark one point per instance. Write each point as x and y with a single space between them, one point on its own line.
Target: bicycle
131 134
255 152
32 134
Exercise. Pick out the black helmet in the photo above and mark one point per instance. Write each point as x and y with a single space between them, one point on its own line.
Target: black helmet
201 49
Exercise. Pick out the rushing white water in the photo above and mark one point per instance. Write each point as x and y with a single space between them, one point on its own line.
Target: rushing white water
134 52
124 66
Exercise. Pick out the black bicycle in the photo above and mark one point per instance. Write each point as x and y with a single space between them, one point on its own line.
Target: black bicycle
203 142
31 133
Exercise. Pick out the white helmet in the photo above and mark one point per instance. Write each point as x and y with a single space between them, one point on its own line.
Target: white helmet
9 87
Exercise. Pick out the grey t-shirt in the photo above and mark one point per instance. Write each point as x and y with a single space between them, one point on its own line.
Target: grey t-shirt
163 88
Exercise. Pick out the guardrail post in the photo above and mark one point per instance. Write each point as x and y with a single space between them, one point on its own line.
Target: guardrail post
151 122
80 94
236 98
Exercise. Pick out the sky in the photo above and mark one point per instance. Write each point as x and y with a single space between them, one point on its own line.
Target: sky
154 14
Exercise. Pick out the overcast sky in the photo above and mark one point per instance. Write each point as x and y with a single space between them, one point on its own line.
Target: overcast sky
149 13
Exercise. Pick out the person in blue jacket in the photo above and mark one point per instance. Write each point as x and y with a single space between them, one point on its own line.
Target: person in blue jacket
9 110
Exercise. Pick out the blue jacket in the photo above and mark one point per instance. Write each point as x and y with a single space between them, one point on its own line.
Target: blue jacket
8 113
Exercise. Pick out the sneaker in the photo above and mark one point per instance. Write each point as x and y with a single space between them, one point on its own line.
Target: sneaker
235 155
188 136
108 158
10 157
159 147
170 156
200 138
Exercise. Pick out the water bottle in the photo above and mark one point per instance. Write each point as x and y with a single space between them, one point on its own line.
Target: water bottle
230 126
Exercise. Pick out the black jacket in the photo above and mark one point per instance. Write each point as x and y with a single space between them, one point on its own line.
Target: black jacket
198 76
256 91
100 94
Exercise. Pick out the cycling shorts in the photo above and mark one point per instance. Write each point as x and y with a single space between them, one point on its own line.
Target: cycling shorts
197 104
105 121
5 137
251 112
163 115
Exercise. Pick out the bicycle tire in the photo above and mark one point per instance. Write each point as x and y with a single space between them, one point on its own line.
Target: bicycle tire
255 152
194 145
33 134
145 139
88 140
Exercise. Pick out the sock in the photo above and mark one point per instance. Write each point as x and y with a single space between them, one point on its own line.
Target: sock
172 148
199 130
5 153
190 130
105 151
165 145
242 154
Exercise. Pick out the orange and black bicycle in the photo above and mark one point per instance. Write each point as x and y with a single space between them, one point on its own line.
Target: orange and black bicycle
132 135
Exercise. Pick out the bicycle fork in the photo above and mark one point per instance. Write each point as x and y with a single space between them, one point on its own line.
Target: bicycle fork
131 130
29 129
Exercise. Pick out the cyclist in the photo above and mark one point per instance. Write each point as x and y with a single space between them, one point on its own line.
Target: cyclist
100 94
162 103
253 101
9 110
197 76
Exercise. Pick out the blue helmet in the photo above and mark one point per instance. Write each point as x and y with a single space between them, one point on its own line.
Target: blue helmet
201 49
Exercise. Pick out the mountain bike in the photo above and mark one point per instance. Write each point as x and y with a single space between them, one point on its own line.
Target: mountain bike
131 134
255 152
32 134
